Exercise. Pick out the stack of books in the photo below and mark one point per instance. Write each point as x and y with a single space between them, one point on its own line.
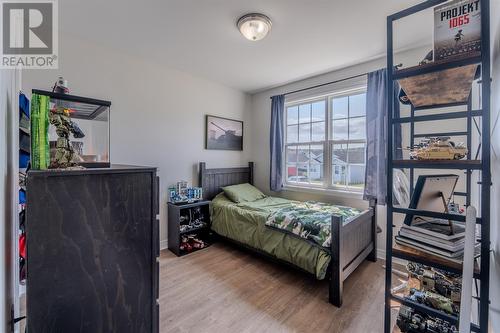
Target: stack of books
434 237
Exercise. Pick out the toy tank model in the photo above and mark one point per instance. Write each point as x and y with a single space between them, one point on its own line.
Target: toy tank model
438 148
437 281
410 321
434 301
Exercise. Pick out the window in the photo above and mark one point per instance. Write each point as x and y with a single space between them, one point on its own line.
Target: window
326 141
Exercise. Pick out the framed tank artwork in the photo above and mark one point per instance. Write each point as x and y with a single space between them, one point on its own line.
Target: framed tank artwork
223 133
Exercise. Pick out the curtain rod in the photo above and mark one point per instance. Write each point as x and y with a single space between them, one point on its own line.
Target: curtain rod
332 82
324 84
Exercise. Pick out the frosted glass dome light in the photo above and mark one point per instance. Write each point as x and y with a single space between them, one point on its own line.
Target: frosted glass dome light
254 26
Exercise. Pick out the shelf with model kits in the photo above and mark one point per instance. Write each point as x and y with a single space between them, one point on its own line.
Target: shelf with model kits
189 227
441 177
427 290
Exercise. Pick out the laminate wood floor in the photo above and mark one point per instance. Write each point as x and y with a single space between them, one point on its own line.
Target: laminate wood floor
225 289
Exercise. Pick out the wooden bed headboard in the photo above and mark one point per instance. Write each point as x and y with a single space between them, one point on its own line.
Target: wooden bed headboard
212 180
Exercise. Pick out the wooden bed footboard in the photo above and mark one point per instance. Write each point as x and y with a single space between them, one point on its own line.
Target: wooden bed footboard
351 243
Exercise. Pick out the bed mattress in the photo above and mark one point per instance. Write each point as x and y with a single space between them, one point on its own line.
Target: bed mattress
246 224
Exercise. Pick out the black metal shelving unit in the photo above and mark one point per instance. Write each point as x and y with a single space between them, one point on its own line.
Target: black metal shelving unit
479 161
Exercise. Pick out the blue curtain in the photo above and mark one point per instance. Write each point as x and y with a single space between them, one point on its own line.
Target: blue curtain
276 142
376 134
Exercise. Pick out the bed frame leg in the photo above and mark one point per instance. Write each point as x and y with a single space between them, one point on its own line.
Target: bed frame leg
336 265
373 254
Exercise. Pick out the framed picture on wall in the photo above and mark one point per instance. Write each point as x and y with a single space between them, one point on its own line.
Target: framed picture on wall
223 133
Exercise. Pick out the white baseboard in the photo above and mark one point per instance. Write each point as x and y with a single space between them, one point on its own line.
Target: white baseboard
381 255
163 244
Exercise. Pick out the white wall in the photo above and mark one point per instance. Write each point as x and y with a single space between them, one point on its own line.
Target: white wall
4 190
157 113
9 132
495 169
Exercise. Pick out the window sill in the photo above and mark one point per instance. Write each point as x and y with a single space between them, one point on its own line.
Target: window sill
324 191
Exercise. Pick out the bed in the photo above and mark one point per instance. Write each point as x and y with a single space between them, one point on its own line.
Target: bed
352 240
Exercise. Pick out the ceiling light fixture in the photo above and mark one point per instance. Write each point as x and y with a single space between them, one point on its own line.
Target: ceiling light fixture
254 26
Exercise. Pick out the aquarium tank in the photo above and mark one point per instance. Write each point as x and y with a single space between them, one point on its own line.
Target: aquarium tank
68 131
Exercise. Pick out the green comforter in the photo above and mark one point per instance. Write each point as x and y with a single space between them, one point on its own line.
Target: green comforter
246 223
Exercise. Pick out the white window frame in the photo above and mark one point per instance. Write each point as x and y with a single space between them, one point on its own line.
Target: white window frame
328 143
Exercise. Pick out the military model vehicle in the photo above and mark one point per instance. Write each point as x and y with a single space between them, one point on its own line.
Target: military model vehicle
438 148
411 321
434 300
431 279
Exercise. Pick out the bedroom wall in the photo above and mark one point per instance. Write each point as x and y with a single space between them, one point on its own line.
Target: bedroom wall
261 108
9 85
157 113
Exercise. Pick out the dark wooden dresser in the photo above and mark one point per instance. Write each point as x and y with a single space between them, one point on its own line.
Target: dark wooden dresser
92 248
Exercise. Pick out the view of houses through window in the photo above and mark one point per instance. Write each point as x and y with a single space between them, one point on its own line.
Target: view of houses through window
326 142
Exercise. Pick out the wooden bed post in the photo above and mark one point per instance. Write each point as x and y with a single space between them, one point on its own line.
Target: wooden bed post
336 266
250 173
373 254
201 177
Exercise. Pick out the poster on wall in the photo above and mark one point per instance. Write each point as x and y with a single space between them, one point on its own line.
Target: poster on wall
222 133
457 29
